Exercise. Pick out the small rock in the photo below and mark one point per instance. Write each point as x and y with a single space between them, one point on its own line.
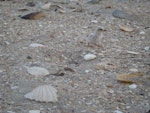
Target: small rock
133 70
142 33
34 111
87 71
10 112
94 21
132 86
146 48
93 1
117 111
122 15
89 57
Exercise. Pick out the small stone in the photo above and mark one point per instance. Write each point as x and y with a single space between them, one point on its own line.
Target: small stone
89 56
93 1
10 112
117 111
122 15
87 71
94 21
133 70
146 48
142 33
34 111
132 86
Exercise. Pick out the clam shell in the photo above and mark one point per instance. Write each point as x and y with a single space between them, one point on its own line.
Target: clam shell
44 93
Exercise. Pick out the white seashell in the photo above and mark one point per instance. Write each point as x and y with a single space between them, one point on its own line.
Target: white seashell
45 93
34 111
36 45
46 6
89 57
37 71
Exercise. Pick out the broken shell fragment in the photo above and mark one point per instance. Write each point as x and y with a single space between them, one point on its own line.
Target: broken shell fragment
34 16
44 93
37 71
46 6
128 77
89 57
125 28
36 45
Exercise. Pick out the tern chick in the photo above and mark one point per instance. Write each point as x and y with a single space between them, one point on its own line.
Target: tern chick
95 39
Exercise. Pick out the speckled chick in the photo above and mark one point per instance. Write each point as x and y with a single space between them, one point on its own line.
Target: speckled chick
95 38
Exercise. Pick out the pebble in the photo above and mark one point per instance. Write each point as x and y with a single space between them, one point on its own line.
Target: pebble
122 15
89 56
87 71
117 111
146 48
10 112
142 33
34 111
93 1
133 70
132 86
94 21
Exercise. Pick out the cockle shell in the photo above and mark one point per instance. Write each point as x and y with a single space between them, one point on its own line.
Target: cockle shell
44 93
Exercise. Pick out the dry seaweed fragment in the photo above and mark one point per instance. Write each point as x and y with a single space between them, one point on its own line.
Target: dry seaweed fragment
34 16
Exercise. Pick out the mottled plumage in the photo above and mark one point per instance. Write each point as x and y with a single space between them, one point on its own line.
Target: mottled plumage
95 38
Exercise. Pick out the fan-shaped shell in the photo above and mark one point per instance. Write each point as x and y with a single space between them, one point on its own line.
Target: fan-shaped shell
45 93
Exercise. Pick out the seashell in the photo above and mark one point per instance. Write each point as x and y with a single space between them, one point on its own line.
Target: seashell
34 111
128 77
89 57
44 93
34 16
37 71
36 45
125 28
46 6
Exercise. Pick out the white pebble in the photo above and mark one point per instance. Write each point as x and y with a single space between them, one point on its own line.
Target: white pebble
89 57
87 71
146 48
117 111
132 86
34 111
133 70
142 32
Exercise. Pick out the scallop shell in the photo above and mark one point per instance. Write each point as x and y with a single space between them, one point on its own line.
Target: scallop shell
44 93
